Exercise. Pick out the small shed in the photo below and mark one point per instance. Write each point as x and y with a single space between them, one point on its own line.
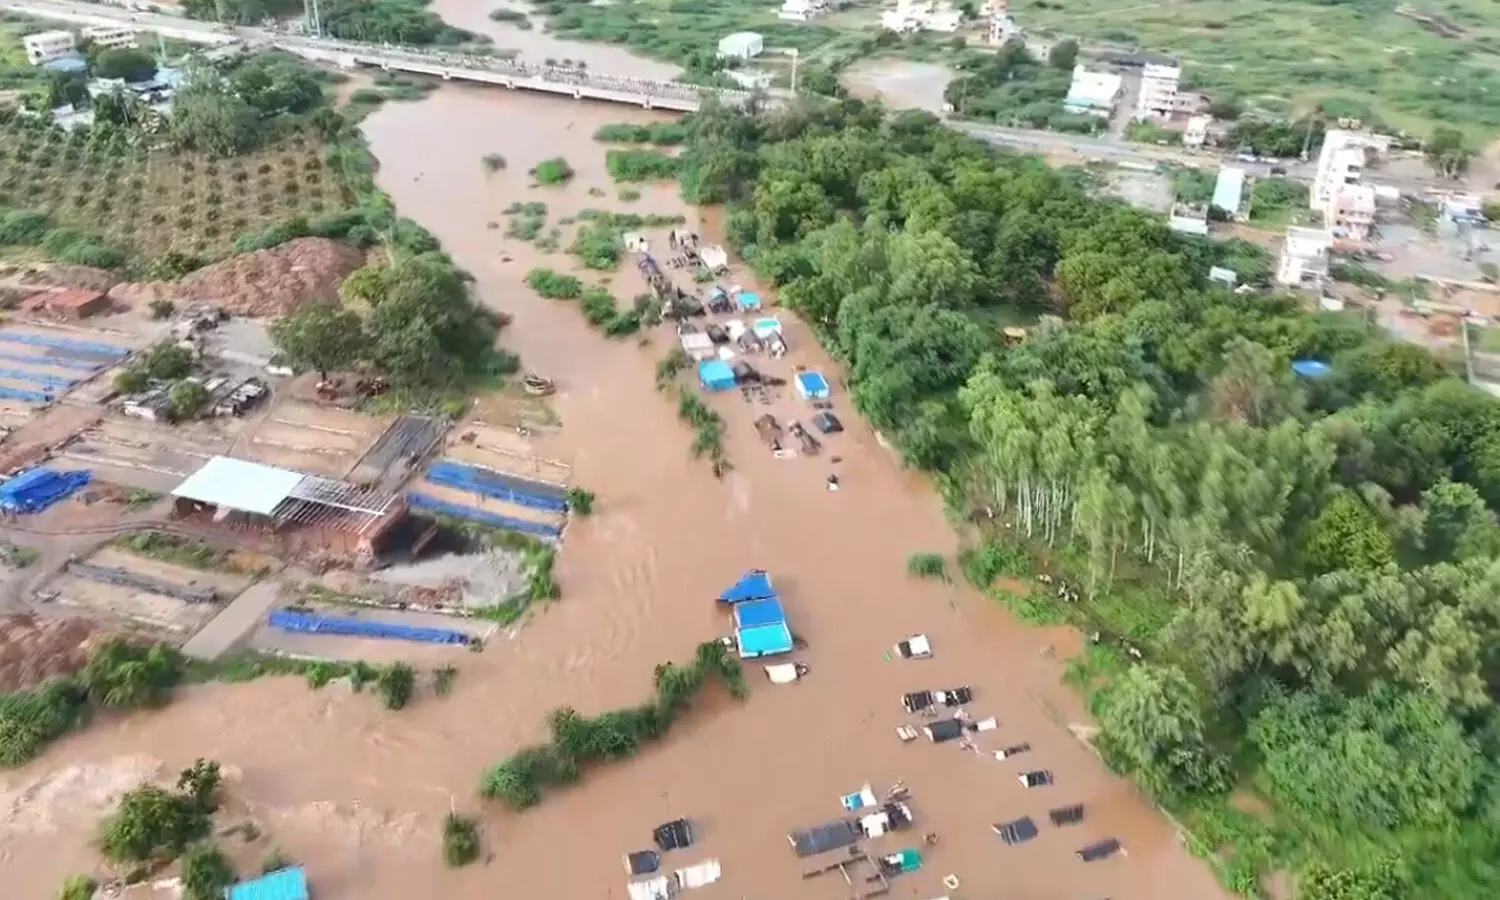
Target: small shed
283 884
766 327
66 303
716 375
1223 276
812 385
698 346
761 629
748 300
742 45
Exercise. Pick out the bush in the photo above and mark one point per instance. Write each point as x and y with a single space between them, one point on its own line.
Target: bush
460 840
553 286
162 308
79 248
927 565
186 398
78 887
493 162
442 680
640 165
396 684
22 227
598 245
152 823
662 133
206 874
553 171
580 501
367 97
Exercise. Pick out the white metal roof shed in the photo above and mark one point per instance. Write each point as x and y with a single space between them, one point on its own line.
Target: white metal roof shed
240 485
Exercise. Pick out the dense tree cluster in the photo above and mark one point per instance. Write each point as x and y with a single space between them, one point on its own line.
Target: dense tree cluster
375 21
227 113
1309 564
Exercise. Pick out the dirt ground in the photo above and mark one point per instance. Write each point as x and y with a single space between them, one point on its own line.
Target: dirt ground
264 283
505 451
33 648
305 437
153 457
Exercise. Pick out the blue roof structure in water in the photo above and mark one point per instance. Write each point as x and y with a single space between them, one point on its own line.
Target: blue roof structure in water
1312 368
716 375
36 489
812 385
761 628
755 613
753 585
283 884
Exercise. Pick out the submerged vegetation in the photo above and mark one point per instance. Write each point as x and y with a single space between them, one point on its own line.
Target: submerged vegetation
578 741
1290 579
708 430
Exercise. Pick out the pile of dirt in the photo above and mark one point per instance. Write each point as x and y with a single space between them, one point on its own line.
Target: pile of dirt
33 649
264 283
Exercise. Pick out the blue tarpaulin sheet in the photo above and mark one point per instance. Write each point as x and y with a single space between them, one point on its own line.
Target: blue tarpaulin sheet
10 393
283 884
767 640
748 300
41 340
716 375
36 489
812 385
753 585
1311 368
57 361
483 517
497 486
307 623
754 613
55 381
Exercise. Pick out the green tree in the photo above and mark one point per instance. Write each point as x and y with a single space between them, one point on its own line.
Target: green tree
125 62
200 784
460 840
1152 721
207 118
151 823
186 398
1063 55
1448 152
320 336
1346 535
206 873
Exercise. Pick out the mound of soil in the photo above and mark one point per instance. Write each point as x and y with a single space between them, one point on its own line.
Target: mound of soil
33 649
264 283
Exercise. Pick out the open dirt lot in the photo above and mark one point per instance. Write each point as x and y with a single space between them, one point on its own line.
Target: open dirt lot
137 603
303 437
33 649
140 454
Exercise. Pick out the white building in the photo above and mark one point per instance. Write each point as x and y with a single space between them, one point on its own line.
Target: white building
742 45
801 10
1092 93
921 15
1196 133
1304 256
48 45
1188 220
110 37
1158 97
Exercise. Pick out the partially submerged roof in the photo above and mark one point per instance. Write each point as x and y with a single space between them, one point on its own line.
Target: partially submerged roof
240 485
1229 189
753 585
283 884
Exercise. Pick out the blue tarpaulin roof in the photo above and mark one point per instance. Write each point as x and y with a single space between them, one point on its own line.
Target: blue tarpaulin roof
767 640
748 300
753 585
35 490
754 613
1311 368
283 884
812 385
716 375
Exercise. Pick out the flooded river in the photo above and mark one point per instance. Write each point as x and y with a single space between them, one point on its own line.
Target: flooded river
358 794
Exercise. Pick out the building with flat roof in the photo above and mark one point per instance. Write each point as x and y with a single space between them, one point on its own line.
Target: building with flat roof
1093 93
1351 214
110 37
46 46
1229 190
1196 133
801 10
66 303
911 16
742 45
1304 257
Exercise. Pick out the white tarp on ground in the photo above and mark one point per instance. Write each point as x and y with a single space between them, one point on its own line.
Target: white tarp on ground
663 887
713 256
699 874
240 485
650 889
782 673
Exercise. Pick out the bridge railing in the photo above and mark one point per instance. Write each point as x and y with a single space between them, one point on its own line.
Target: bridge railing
580 76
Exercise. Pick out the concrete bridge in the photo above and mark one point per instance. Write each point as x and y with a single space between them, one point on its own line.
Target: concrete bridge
577 82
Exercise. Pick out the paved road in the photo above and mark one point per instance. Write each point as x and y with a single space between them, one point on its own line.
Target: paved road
235 621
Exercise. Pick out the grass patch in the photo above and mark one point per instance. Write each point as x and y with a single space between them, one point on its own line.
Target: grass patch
526 220
554 286
511 17
182 551
673 364
598 245
554 171
659 133
442 680
628 195
16 556
578 741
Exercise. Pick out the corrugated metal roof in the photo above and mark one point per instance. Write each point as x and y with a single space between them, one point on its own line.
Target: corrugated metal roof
240 485
284 884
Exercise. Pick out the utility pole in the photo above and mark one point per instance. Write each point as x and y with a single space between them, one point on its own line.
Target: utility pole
1463 323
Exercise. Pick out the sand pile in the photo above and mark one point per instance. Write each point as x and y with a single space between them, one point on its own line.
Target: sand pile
264 283
34 649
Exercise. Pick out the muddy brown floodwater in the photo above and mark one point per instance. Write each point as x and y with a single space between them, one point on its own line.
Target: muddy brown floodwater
359 794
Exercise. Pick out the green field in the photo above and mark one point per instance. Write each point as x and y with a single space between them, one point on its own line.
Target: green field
1357 58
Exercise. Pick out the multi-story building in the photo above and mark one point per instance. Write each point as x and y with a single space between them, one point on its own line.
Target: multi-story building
1351 213
1304 257
1196 132
922 15
110 36
47 46
1158 96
